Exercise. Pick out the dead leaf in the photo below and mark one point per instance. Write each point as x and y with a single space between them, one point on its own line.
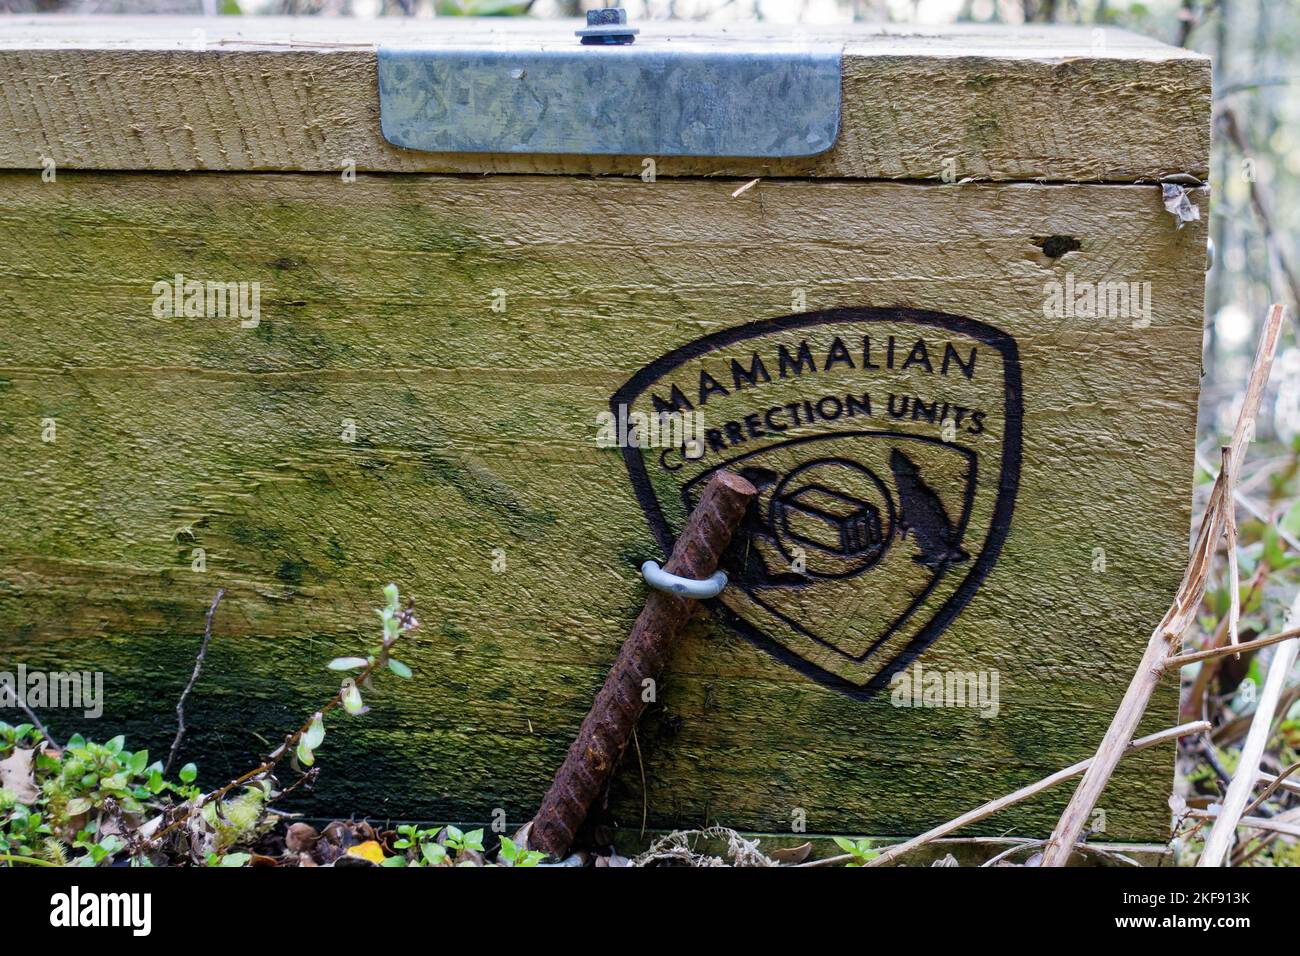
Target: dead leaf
1179 203
790 855
17 777
947 860
300 837
370 850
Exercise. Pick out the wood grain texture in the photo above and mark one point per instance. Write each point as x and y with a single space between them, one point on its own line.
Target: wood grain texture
475 431
1064 104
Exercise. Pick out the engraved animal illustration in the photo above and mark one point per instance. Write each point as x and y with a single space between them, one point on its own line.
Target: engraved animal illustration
924 517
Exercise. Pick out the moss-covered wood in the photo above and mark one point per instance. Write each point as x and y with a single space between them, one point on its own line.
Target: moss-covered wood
475 431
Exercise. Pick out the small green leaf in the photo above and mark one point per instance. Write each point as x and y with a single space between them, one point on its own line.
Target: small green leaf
391 596
398 668
433 853
304 754
351 698
347 663
115 745
315 734
188 773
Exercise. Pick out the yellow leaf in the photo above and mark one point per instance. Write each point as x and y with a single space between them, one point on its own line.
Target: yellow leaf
370 850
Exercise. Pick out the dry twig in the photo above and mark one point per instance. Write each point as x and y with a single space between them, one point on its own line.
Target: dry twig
198 666
1244 780
1010 799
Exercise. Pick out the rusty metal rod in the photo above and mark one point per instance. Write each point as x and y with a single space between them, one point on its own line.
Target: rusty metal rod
609 724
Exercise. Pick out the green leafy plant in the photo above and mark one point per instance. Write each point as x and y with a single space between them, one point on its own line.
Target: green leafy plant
421 847
79 798
518 856
460 841
859 850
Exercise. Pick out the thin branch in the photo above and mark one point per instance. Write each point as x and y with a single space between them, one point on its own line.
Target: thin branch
1236 728
1258 823
36 721
1229 473
1289 785
1201 685
1278 782
1183 660
1243 783
1260 842
198 666
1256 512
1010 799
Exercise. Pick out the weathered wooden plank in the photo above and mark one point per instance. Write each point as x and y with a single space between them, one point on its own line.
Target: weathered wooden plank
475 431
1062 104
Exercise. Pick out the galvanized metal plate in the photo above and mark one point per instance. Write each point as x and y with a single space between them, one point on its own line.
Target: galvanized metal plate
652 99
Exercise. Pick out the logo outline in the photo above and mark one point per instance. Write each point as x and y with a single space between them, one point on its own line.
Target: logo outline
1000 522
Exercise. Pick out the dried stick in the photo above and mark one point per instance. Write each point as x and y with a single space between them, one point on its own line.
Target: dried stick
1256 512
198 666
595 752
1280 780
1182 660
1201 685
1169 632
36 721
1258 823
1277 782
1236 728
1243 783
1011 799
1229 475
1259 843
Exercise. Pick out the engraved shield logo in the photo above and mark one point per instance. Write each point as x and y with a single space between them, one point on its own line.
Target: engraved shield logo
885 445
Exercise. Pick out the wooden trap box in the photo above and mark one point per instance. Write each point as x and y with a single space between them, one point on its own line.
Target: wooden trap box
940 317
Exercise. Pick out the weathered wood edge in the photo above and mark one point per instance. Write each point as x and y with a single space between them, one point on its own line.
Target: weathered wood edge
277 94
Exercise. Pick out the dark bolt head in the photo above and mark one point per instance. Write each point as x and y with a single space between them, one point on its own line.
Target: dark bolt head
606 27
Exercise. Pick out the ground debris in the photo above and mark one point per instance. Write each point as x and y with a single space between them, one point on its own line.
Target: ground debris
675 849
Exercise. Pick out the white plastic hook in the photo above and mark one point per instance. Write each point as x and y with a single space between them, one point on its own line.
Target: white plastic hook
661 580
